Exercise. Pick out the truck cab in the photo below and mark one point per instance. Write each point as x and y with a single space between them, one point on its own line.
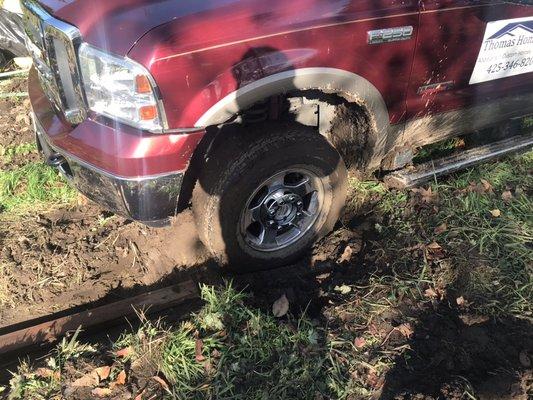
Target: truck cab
253 112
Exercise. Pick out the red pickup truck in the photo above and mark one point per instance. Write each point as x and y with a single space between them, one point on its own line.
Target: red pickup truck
252 110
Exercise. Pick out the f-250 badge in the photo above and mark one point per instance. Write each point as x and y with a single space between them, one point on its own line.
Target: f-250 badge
390 35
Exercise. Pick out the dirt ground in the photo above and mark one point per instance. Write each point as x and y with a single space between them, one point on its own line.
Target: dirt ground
82 255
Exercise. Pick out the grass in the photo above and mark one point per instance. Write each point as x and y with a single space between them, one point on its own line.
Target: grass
463 242
7 154
32 187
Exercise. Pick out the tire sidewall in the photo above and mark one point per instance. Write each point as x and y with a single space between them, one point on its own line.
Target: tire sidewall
246 175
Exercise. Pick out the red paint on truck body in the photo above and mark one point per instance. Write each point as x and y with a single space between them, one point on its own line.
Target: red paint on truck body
123 151
200 51
194 58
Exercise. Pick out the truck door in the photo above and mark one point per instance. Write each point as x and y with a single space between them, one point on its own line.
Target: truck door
470 52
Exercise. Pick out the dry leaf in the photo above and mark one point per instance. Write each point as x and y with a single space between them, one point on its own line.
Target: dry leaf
460 301
434 246
198 346
374 380
280 307
81 200
125 352
87 380
441 229
346 255
121 378
359 342
427 194
343 289
496 213
140 395
406 330
507 196
323 276
429 292
524 358
46 373
102 372
101 392
486 185
162 382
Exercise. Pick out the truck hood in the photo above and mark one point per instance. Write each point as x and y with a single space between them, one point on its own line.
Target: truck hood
116 25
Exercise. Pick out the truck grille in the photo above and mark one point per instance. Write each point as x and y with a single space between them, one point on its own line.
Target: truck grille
52 44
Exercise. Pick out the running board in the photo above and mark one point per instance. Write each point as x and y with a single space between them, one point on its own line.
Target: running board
433 169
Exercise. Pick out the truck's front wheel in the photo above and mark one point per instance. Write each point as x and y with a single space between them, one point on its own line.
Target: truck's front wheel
265 196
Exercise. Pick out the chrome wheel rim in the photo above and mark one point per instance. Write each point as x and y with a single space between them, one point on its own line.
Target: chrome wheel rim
282 209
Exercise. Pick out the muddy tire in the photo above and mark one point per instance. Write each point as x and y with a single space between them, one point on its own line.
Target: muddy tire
266 195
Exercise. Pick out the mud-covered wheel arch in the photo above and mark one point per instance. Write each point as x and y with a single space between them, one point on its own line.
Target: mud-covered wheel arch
345 122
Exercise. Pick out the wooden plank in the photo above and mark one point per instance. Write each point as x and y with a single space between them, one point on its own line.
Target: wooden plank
51 330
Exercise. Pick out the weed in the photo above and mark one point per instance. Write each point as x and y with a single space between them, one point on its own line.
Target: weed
27 384
33 186
72 349
23 149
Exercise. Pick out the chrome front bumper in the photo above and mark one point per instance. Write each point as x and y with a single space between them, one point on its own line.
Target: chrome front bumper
151 200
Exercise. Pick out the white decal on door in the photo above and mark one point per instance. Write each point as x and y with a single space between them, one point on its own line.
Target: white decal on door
507 50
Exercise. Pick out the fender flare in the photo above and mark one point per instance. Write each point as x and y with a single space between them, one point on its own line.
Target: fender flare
330 80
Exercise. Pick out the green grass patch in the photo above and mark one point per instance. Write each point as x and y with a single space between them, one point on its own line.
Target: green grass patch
483 219
33 186
8 154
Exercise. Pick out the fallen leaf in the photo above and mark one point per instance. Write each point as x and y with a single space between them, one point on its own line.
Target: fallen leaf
429 292
125 352
81 200
346 255
280 307
121 378
405 329
343 289
359 342
208 367
162 382
101 392
441 229
524 358
198 346
460 301
434 246
507 196
373 380
323 276
87 380
102 372
140 395
486 185
427 195
473 319
45 372
496 213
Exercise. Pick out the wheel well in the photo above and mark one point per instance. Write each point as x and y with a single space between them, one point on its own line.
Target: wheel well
344 121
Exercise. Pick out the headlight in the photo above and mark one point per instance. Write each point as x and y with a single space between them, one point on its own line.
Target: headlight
120 89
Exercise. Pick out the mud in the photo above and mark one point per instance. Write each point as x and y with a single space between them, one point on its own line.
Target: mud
84 255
